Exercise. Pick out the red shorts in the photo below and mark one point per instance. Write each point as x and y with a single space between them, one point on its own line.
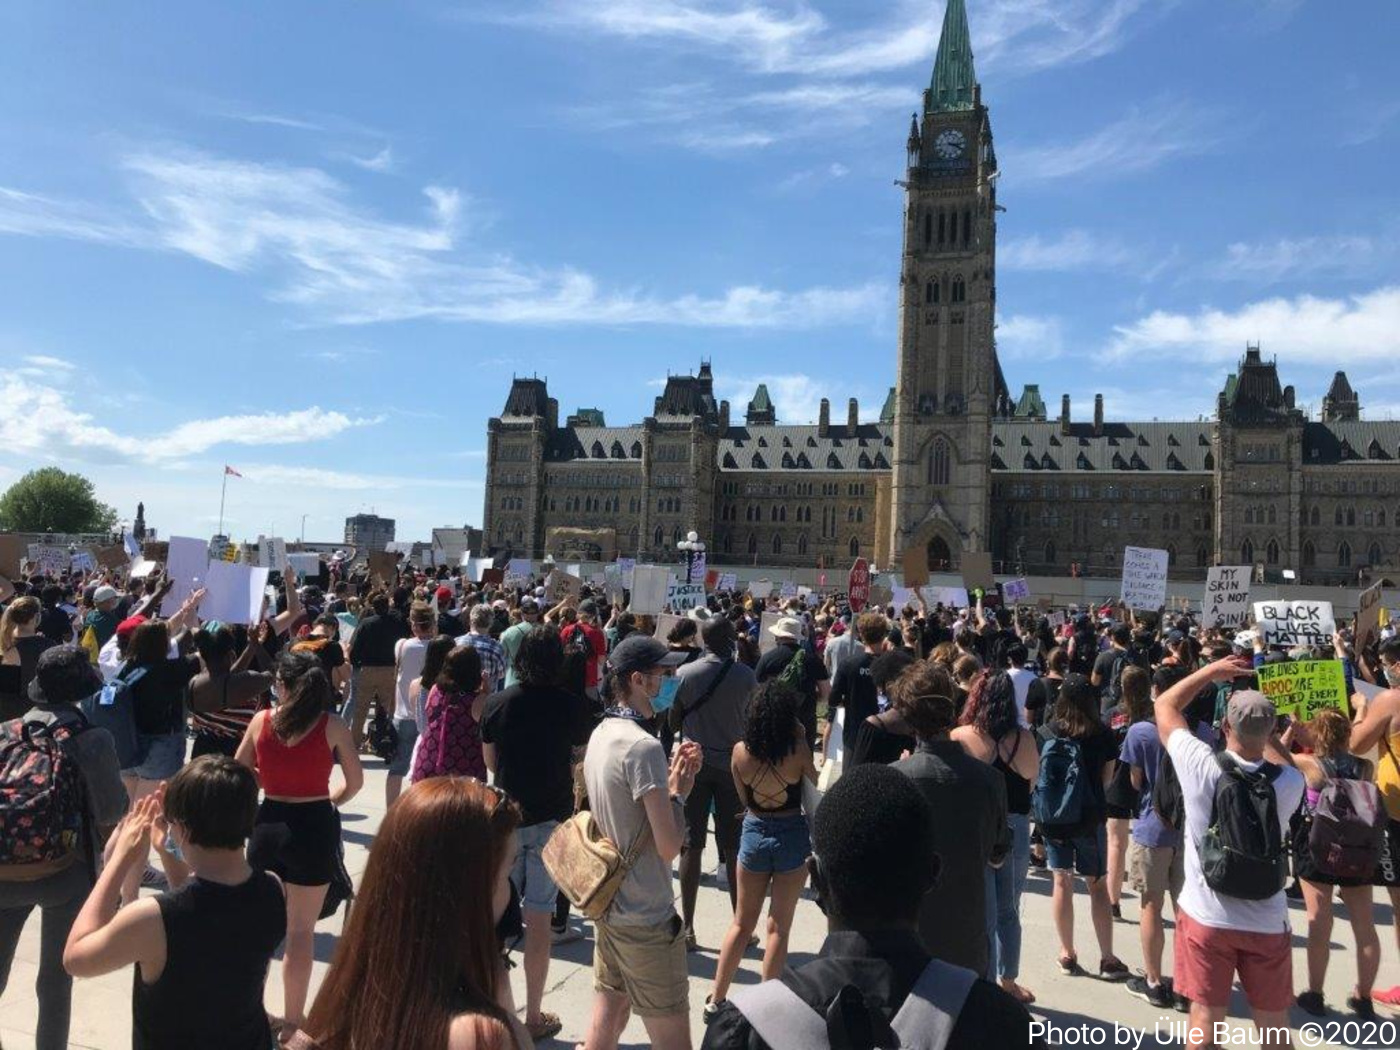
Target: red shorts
1207 960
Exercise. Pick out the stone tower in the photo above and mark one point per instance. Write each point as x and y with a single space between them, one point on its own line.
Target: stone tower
948 382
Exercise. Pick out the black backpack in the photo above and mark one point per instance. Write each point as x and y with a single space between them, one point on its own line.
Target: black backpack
1242 852
1086 651
1167 801
383 737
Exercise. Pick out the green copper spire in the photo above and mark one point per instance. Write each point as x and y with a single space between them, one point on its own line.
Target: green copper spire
954 79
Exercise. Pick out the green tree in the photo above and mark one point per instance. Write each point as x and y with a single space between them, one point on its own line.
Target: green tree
49 500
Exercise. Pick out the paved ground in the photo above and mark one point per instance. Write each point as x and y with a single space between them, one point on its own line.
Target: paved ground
102 1013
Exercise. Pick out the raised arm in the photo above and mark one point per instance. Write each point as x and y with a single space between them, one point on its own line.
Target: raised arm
1170 705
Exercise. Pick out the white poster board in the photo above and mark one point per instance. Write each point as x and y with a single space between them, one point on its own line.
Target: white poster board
649 586
727 581
766 640
304 564
1144 578
272 553
83 561
948 597
52 560
187 563
235 592
1016 590
1226 602
517 572
682 597
1368 615
1290 624
626 566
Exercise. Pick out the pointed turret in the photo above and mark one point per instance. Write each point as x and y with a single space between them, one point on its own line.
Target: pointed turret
760 412
1341 403
915 144
954 84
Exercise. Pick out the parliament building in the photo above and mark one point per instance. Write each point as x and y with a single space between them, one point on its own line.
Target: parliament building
955 462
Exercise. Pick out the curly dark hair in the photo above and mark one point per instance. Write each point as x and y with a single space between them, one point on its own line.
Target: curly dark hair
991 706
771 731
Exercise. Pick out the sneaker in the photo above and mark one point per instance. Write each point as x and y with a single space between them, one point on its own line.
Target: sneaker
1117 912
1069 966
1113 970
1156 994
1362 1008
564 934
1311 1003
711 1010
1180 1003
1389 996
1295 891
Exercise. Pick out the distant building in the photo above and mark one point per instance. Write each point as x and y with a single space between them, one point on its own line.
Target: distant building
369 532
954 462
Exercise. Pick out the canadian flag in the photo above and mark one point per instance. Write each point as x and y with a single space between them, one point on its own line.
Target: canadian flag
230 470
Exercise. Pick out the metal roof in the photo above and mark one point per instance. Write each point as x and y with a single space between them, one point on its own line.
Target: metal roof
1021 446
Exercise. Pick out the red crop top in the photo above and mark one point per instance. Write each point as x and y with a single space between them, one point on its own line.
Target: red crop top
302 770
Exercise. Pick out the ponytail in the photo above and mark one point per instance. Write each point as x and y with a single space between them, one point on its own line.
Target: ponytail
309 694
21 611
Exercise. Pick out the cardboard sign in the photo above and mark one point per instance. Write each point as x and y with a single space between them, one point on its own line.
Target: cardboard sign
1144 578
235 592
493 577
560 585
1368 616
159 550
186 567
1290 624
977 571
1226 603
1302 688
915 564
665 624
383 568
649 586
1016 590
858 585
13 551
114 557
881 594
682 597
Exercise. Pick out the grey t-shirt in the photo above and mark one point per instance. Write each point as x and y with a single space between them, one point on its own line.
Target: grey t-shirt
719 724
624 763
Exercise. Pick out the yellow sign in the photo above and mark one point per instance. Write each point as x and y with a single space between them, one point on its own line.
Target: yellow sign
1302 688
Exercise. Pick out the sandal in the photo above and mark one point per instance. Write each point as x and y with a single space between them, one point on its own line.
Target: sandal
546 1027
1021 995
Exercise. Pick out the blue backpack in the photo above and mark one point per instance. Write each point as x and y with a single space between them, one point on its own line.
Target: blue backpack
1058 800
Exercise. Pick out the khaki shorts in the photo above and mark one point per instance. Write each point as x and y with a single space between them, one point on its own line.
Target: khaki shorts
645 963
1156 871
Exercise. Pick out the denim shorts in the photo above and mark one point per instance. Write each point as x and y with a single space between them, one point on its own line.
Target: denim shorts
159 756
407 729
537 890
1087 854
774 845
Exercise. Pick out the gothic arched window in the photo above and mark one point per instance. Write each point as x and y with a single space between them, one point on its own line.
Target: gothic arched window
777 544
1247 552
753 544
1309 554
854 547
1373 555
1344 555
1271 552
938 462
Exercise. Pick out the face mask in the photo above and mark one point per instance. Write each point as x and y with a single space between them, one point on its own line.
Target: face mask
665 695
1392 676
172 847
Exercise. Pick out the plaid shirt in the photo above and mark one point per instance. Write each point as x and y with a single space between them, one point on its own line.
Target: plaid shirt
493 657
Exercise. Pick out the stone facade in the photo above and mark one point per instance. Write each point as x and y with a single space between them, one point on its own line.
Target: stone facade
953 463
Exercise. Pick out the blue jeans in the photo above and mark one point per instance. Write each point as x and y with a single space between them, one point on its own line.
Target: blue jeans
1004 887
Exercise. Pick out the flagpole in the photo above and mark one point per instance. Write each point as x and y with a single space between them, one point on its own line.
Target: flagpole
222 493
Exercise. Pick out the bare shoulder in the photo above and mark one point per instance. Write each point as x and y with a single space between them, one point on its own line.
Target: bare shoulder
477 1032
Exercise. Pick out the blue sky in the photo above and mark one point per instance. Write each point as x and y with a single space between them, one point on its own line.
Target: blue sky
315 241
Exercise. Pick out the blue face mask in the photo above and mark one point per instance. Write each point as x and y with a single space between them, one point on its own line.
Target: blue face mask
666 695
172 847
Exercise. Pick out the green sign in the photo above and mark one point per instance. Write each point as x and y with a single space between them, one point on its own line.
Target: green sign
1302 688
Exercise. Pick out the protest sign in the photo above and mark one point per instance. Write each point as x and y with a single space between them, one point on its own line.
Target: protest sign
977 571
665 624
1016 590
649 586
141 568
84 561
682 597
696 569
625 566
186 566
1302 688
1226 603
901 597
303 564
383 568
728 581
948 597
766 640
915 565
881 594
348 623
1144 578
1368 616
114 557
228 552
235 592
1290 624
272 553
788 590
612 583
493 577
761 588
518 572
159 550
560 585
51 560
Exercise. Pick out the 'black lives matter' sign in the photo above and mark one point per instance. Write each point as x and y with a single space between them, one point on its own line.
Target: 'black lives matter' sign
1290 624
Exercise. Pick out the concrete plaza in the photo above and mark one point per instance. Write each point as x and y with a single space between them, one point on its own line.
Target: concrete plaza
102 1007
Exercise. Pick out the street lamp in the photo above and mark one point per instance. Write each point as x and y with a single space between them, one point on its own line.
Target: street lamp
693 549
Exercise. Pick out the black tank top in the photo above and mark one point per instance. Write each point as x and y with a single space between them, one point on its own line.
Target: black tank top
1018 788
218 942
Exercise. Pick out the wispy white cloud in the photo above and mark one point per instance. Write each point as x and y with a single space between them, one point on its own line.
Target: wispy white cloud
797 397
1071 250
1268 262
1305 330
40 420
274 119
1144 139
320 478
1021 337
811 178
381 161
53 364
299 228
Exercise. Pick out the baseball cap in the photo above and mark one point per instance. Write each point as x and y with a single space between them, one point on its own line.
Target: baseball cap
641 652
1251 713
443 595
129 625
104 593
529 605
63 675
588 607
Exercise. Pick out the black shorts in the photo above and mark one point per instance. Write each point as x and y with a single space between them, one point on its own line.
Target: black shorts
297 841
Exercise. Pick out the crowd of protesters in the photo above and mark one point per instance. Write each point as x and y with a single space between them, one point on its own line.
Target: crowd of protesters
914 767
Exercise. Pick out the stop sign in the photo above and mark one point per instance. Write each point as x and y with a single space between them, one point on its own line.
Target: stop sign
858 585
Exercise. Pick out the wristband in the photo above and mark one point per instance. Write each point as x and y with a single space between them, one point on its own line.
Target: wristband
677 797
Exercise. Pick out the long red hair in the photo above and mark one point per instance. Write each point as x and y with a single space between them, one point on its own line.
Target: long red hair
424 915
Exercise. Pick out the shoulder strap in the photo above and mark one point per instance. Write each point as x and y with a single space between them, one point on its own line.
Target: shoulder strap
710 689
780 1017
929 1014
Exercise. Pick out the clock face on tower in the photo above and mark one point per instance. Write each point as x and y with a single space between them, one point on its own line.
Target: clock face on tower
950 144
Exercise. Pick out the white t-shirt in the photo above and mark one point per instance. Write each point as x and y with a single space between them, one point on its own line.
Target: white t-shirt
409 656
1021 679
1196 769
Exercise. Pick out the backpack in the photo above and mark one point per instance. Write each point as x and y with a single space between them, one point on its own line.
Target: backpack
578 643
1086 651
42 799
1167 800
1061 790
383 737
796 667
1348 826
925 1020
1242 852
113 708
1113 688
